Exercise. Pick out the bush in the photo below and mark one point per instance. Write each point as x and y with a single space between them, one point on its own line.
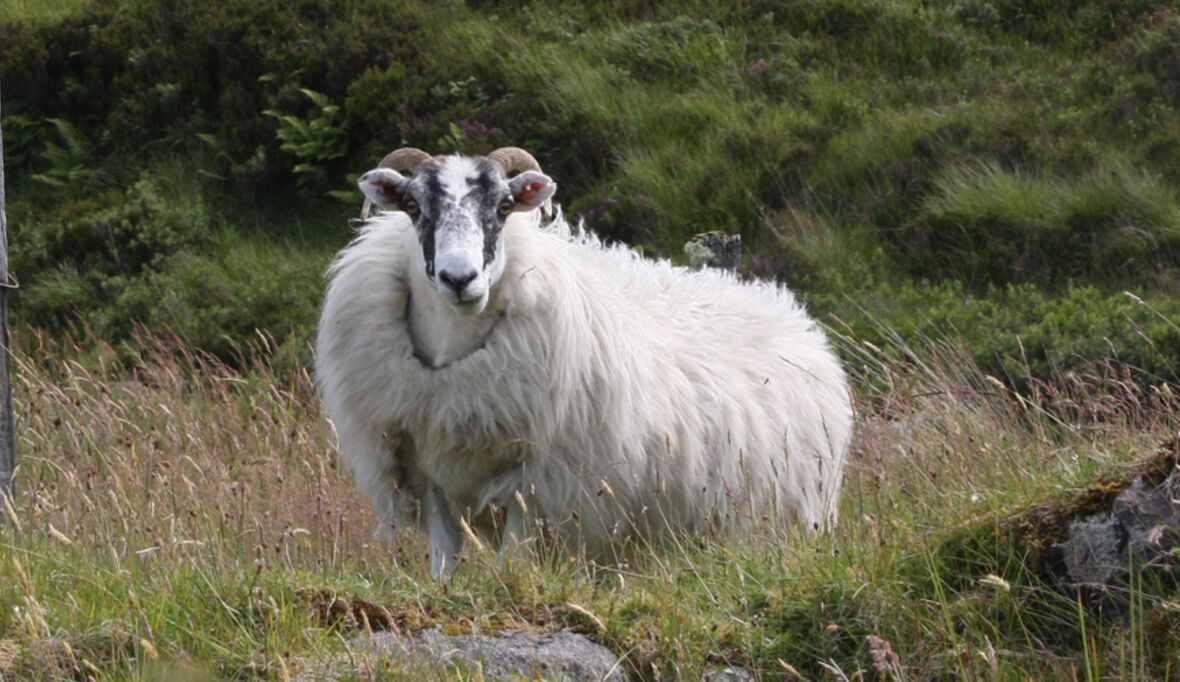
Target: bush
218 301
78 257
985 225
111 233
181 69
221 300
1020 331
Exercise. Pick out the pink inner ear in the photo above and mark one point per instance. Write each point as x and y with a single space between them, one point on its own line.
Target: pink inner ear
529 194
388 190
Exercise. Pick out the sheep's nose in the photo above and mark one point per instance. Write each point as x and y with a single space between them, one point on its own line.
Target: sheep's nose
457 283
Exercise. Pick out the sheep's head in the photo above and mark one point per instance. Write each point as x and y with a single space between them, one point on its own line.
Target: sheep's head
459 205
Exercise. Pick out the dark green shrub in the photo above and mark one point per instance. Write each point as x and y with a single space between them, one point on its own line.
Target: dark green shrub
77 257
21 135
111 234
1020 331
988 225
183 69
223 299
216 302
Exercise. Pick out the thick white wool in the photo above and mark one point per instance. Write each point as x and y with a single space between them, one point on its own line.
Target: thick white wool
703 403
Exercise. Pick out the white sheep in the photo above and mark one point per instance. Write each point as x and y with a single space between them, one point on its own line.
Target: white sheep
481 368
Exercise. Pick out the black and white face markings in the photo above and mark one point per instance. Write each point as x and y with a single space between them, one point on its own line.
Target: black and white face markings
495 204
423 210
459 205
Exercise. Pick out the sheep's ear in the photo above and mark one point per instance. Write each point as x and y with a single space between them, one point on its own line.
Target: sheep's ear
384 187
530 189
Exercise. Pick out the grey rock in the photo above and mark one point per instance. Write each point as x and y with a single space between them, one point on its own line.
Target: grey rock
1092 551
1151 517
728 675
1140 534
715 250
511 654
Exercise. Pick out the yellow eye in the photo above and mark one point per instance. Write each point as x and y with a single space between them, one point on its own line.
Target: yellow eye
410 206
506 206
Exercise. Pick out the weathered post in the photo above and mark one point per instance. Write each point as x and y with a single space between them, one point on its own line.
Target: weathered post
7 432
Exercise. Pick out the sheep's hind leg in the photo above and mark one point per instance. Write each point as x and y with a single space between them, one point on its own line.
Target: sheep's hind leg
505 493
445 538
514 539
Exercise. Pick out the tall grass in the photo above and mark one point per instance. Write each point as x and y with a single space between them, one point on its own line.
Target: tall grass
176 516
159 506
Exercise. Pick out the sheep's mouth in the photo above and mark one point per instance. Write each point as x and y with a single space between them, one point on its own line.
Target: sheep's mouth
471 306
466 305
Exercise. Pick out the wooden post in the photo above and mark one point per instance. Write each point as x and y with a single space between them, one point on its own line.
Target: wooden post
7 432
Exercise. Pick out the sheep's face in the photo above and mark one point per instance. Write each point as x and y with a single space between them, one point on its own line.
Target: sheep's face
458 205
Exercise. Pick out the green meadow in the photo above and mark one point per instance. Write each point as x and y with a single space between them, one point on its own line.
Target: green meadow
979 200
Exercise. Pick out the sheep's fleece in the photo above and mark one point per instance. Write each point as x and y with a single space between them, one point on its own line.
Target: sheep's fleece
615 395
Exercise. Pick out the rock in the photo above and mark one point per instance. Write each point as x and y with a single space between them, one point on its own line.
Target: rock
511 654
1139 534
728 675
1091 554
715 250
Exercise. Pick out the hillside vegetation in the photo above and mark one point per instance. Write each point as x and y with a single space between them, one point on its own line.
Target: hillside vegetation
983 169
979 199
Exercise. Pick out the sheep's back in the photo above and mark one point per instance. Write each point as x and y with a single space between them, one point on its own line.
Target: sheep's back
724 397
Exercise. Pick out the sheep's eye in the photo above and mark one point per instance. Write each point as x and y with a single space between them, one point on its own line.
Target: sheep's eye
410 206
506 206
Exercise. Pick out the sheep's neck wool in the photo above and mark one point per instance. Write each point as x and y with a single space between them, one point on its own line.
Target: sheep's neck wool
450 338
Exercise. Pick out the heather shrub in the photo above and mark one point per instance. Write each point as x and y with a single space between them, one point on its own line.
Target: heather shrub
1017 331
986 225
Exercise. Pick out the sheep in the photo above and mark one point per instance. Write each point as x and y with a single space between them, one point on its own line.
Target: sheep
491 374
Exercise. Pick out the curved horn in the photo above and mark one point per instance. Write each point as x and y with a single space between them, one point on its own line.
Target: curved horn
403 160
516 159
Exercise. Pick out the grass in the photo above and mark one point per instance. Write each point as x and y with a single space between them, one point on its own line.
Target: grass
981 196
13 11
989 224
177 516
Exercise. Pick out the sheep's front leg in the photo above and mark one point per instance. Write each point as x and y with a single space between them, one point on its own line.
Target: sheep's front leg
374 459
445 538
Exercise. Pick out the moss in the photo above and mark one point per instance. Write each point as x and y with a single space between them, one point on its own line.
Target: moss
1025 537
1162 644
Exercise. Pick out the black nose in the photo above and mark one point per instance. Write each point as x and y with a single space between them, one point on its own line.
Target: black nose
457 283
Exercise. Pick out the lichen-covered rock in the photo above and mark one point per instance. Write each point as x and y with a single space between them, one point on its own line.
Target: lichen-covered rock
1089 543
1140 533
715 250
728 675
511 654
